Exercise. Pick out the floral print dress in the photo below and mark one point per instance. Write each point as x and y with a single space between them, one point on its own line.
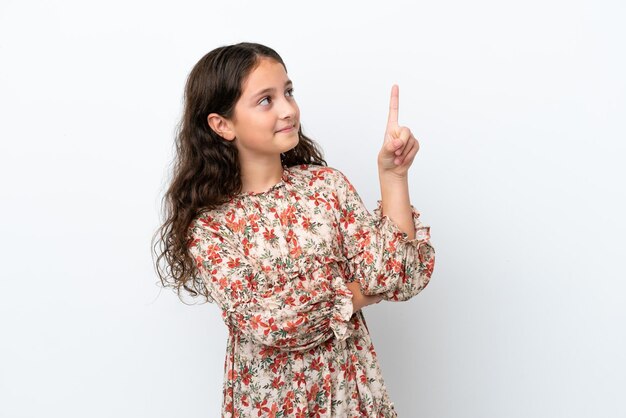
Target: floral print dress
277 263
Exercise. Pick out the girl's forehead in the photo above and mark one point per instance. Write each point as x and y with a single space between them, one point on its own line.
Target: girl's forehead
267 75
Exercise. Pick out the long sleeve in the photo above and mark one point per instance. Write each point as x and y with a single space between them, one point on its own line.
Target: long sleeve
285 315
379 254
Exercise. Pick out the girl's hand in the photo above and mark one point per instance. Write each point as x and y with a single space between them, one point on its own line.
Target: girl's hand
399 145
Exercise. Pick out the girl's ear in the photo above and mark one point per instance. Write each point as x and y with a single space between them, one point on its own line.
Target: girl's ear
221 126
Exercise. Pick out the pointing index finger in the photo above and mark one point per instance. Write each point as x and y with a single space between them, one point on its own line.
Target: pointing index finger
393 105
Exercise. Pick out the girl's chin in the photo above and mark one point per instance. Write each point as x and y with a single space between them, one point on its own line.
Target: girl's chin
293 145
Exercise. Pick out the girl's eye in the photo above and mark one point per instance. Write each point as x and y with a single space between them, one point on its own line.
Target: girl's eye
290 91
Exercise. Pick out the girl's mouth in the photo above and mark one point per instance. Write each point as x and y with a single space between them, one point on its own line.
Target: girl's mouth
287 129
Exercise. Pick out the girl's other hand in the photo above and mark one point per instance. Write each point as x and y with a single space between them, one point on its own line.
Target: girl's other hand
399 145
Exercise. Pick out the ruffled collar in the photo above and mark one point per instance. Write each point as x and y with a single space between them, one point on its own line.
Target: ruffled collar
285 178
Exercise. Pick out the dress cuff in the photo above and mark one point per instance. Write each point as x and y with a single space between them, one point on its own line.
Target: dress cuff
341 312
422 232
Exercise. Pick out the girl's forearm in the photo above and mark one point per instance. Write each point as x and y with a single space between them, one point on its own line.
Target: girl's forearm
396 203
365 301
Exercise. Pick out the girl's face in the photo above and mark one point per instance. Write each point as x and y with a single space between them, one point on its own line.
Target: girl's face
265 107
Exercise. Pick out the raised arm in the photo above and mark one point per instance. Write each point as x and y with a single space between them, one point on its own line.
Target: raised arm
380 255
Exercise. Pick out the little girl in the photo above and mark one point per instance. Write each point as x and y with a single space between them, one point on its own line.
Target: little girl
260 225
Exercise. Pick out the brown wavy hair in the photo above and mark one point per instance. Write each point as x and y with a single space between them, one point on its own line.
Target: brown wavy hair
206 170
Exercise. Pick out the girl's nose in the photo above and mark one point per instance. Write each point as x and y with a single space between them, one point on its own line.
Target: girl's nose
289 109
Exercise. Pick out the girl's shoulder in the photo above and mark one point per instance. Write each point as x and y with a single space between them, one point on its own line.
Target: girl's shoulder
315 172
313 178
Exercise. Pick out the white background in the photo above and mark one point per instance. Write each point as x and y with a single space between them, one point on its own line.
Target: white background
519 108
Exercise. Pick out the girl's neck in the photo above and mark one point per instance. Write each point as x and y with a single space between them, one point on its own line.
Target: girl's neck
260 176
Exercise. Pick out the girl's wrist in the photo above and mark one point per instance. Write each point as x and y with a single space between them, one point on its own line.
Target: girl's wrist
388 175
373 299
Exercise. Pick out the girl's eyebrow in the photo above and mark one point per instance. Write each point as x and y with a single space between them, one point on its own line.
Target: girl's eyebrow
271 89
